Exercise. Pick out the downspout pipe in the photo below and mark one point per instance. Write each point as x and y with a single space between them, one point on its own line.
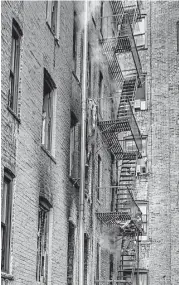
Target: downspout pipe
83 147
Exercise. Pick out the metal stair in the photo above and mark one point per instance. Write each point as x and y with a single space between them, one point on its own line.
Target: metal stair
128 93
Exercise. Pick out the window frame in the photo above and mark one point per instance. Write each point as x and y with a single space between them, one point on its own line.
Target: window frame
14 66
44 207
144 236
139 101
143 46
48 113
6 225
50 20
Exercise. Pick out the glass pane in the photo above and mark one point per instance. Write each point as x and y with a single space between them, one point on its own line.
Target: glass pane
140 40
140 27
4 202
143 208
142 278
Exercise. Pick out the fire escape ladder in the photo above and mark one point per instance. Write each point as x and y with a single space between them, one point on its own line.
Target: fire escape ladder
124 200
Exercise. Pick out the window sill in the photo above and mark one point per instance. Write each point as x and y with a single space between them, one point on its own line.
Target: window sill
7 276
48 153
14 114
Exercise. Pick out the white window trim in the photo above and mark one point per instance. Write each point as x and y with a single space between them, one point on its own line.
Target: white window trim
48 18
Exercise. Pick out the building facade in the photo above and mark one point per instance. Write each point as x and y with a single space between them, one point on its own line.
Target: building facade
131 171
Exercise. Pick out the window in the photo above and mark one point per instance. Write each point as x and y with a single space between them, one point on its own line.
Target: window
48 113
53 13
43 243
74 42
140 34
101 16
140 98
99 176
14 66
143 205
142 162
71 249
111 266
74 129
97 261
143 278
86 253
178 36
89 71
101 90
6 207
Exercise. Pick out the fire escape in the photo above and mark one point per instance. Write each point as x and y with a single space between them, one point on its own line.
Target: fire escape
118 126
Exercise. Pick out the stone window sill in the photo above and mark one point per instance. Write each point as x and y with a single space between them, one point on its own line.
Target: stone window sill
7 276
48 153
14 114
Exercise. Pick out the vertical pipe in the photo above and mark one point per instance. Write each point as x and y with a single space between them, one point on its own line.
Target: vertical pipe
83 141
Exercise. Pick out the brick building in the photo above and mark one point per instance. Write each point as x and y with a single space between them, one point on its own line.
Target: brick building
131 171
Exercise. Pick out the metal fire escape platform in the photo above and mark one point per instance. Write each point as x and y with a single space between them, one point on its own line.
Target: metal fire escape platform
127 216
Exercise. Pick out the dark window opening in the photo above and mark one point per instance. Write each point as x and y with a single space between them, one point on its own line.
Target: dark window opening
74 128
70 256
6 208
111 266
74 42
99 176
97 262
14 66
178 36
86 241
101 16
101 87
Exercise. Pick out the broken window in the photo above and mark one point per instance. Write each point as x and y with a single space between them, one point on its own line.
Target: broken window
6 207
140 32
48 112
42 243
71 247
14 66
53 14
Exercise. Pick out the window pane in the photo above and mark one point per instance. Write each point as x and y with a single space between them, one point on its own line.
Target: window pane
140 40
140 27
